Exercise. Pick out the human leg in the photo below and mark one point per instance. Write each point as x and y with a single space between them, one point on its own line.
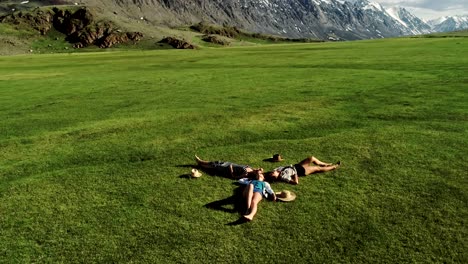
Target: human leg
315 169
257 197
248 194
315 161
202 163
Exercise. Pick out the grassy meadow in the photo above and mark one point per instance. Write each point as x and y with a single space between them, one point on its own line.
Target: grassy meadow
95 149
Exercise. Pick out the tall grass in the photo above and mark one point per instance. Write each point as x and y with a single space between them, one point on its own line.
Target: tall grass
95 148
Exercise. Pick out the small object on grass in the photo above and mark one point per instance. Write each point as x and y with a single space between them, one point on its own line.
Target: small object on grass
285 196
196 173
275 158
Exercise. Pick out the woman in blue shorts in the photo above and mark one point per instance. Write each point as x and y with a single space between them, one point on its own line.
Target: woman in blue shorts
254 193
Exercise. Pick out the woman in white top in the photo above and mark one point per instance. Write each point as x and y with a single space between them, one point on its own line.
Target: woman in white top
292 173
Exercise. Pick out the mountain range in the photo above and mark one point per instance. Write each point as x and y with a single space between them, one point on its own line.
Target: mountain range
449 23
319 19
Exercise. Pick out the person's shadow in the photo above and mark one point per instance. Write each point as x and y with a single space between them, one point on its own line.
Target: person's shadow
233 204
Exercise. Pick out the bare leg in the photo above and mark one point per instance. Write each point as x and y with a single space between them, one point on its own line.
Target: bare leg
257 197
314 160
202 163
248 194
314 169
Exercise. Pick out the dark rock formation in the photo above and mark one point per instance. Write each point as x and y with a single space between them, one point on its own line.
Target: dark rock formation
215 40
226 31
38 20
177 43
80 26
117 37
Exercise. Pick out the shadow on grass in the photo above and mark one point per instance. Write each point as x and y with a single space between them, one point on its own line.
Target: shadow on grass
185 176
233 204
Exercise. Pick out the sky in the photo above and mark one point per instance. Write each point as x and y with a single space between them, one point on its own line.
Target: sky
429 9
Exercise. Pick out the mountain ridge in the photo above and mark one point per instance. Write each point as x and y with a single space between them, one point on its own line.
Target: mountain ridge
318 19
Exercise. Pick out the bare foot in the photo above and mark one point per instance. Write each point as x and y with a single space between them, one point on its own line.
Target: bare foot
248 217
336 165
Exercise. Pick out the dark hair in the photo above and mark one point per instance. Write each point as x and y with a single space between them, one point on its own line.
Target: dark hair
268 176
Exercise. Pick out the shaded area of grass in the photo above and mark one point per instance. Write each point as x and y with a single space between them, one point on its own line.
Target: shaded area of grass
94 148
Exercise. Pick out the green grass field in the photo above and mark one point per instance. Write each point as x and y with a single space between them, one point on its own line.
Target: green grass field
95 148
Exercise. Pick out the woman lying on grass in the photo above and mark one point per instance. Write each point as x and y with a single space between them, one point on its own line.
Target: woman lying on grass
228 169
254 193
292 173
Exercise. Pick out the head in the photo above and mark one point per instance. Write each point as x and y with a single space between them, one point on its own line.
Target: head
272 175
259 174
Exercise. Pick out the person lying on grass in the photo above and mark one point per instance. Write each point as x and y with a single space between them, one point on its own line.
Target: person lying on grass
254 193
292 173
228 169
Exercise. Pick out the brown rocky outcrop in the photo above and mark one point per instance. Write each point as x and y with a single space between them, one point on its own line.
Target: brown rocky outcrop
215 40
177 43
117 37
80 26
39 20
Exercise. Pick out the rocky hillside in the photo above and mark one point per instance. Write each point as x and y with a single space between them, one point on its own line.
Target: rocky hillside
80 26
317 19
321 19
414 25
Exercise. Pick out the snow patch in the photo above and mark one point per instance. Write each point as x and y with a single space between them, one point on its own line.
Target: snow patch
394 13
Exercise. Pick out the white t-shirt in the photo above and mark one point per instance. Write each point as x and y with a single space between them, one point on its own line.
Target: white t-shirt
287 173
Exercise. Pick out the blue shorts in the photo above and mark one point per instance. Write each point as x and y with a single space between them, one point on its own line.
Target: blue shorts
258 186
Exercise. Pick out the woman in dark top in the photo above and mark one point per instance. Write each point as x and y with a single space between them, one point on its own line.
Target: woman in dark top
228 169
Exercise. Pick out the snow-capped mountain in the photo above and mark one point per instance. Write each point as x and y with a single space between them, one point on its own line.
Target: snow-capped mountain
415 25
449 23
320 19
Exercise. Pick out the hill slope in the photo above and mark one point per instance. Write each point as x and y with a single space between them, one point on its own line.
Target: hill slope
319 19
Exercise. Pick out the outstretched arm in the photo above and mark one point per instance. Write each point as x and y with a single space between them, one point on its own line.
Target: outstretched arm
270 191
294 180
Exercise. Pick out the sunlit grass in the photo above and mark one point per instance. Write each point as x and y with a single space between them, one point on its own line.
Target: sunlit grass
94 149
